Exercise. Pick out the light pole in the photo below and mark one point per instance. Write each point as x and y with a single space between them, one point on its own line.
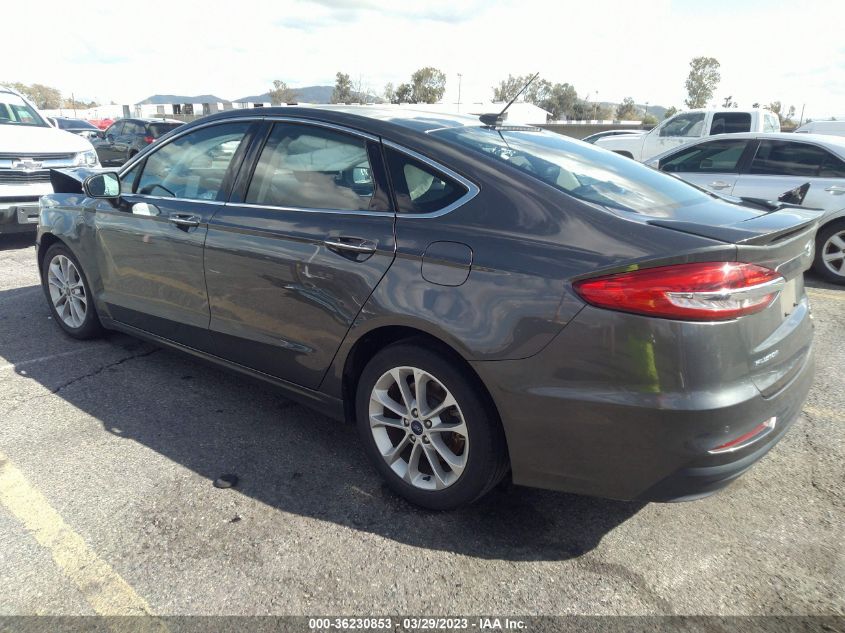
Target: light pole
460 78
596 106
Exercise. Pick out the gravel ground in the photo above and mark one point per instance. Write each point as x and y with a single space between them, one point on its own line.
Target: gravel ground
122 440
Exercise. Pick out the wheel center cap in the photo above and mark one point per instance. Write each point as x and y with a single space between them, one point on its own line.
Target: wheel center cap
416 427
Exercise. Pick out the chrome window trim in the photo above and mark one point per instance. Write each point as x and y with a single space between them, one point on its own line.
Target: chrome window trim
169 198
128 165
472 189
272 207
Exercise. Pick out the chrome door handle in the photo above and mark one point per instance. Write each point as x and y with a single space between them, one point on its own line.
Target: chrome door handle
359 246
835 189
185 220
719 184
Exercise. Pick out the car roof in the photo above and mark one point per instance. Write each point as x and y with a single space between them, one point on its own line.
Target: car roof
362 116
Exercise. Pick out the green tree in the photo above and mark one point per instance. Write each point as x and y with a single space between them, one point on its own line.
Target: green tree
755 105
403 94
670 112
44 97
559 99
281 93
342 92
729 102
702 81
627 110
508 88
786 120
650 119
427 85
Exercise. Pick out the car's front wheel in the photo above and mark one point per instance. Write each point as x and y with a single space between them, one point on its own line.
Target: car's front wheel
830 252
428 429
69 294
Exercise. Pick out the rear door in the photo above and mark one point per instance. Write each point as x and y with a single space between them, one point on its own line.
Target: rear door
151 242
780 165
295 254
105 147
713 165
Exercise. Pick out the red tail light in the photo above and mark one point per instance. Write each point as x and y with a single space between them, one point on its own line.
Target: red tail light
711 291
148 139
757 433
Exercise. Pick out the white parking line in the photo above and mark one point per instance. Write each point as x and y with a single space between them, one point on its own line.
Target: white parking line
41 359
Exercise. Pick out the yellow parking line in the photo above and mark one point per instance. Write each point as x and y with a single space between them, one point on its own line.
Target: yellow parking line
103 588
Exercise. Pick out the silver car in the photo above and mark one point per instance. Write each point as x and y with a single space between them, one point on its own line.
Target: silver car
767 165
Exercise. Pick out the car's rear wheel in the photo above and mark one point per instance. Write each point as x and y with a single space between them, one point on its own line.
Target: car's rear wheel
428 429
830 252
69 294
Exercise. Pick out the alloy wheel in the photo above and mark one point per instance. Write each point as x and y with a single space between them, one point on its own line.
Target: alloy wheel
833 253
418 428
67 291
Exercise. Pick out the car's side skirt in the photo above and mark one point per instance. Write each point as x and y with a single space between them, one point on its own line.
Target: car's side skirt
328 405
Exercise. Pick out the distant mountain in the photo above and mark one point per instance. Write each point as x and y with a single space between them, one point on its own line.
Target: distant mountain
165 99
308 94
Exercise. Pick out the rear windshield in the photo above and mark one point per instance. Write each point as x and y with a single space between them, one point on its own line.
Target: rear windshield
160 129
582 170
74 124
16 111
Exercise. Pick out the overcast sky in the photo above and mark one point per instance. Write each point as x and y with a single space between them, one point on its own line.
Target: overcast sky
126 51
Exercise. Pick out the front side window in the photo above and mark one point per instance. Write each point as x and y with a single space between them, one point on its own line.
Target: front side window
581 170
310 167
115 129
16 111
771 123
419 187
193 166
712 157
684 125
787 158
730 123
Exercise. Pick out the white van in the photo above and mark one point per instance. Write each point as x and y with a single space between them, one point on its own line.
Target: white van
833 128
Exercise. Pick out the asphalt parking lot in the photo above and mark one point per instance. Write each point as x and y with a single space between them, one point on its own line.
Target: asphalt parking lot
108 450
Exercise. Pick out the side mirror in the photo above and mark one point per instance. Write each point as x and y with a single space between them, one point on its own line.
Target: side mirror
105 185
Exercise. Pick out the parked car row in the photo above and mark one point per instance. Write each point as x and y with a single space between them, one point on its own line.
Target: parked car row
477 298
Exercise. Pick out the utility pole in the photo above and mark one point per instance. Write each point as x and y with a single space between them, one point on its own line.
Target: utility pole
460 78
803 105
596 105
73 103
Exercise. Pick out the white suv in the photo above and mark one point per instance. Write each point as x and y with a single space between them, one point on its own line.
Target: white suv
29 148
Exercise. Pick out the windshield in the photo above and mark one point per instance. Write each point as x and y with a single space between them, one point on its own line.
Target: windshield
74 124
16 111
581 170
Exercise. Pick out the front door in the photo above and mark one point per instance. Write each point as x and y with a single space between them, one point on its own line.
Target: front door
151 241
712 165
680 129
294 256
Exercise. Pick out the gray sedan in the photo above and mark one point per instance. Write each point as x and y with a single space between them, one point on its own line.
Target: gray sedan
767 165
477 298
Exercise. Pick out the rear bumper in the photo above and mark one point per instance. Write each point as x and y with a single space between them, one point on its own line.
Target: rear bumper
647 441
19 215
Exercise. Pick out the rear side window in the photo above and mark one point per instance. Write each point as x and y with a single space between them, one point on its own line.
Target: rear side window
730 123
787 158
132 127
686 125
420 188
310 167
160 129
720 156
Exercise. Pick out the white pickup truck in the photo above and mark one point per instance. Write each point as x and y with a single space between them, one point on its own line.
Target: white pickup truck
689 126
29 148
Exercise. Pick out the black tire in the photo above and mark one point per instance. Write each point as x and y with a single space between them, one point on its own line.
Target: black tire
486 460
90 326
822 237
